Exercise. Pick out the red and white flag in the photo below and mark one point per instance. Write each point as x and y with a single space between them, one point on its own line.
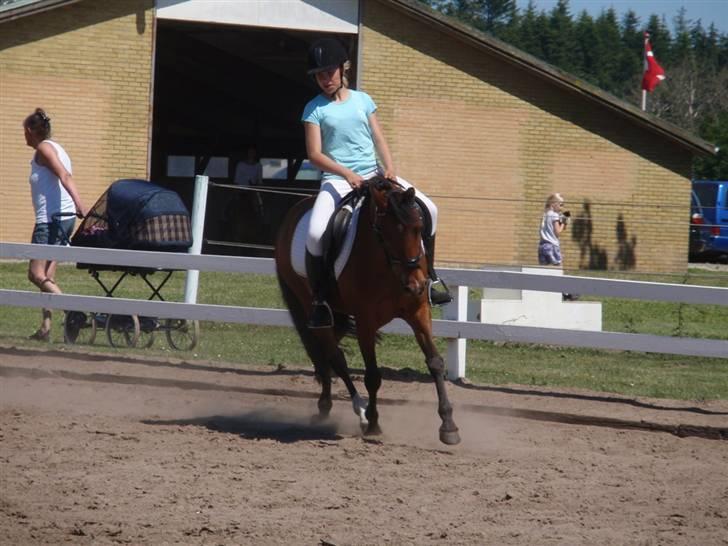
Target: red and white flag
654 73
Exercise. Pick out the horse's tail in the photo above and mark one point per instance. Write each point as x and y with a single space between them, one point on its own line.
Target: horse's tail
314 349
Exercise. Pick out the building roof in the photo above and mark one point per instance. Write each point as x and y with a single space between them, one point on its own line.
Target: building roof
515 56
12 9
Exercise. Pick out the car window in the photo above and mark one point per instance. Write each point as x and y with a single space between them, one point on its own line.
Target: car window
694 201
707 194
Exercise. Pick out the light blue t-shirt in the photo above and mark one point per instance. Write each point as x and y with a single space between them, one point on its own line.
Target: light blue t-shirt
345 133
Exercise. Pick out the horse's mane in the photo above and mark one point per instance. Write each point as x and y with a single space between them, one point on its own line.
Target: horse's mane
402 208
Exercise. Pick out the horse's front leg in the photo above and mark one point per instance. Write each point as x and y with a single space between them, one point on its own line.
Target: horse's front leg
372 375
421 323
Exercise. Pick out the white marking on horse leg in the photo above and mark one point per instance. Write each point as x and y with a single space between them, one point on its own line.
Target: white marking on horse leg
360 407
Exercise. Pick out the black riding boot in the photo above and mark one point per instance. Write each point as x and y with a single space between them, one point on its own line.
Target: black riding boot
320 311
437 297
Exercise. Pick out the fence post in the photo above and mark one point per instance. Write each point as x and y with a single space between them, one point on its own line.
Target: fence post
199 205
456 348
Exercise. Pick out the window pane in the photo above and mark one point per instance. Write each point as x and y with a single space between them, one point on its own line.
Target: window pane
277 169
181 165
274 168
217 167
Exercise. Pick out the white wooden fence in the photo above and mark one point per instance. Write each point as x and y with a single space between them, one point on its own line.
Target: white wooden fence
455 327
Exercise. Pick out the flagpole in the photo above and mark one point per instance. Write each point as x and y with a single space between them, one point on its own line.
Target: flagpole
644 60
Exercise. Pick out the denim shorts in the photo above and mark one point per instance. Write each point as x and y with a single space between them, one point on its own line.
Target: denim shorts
53 233
549 254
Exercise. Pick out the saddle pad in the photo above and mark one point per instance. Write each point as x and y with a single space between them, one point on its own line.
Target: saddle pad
298 245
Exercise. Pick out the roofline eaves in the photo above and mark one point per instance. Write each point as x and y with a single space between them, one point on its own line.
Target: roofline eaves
546 71
32 8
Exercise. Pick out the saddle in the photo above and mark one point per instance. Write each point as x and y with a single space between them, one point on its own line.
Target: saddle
335 234
338 239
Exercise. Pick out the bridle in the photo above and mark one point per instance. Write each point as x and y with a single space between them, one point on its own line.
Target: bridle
405 263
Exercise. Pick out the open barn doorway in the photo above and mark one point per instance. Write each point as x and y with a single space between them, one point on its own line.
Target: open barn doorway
220 90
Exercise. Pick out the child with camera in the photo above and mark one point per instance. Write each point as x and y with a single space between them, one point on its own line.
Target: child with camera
554 221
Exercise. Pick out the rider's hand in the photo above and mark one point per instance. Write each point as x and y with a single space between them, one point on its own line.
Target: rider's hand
81 212
354 180
390 174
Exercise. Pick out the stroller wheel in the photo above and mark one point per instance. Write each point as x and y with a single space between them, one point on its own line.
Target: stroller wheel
122 330
79 327
182 334
147 327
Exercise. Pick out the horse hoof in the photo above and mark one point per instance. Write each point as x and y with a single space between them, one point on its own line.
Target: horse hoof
373 430
450 437
319 418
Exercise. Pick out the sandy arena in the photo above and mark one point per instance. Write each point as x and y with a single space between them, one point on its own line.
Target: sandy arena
95 450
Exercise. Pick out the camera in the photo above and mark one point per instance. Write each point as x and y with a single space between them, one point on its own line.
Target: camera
565 217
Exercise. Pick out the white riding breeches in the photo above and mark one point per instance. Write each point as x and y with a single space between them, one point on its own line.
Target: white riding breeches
331 193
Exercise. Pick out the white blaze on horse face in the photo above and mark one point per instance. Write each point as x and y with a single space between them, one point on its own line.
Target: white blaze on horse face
360 407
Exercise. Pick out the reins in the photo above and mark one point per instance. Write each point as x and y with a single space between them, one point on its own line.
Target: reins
406 263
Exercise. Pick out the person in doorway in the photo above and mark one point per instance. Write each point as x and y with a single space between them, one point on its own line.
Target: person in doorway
249 171
53 191
344 140
553 223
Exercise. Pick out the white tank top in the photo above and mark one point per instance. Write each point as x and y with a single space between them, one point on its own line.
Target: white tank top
49 195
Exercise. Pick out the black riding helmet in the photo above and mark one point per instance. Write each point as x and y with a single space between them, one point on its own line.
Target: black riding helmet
326 54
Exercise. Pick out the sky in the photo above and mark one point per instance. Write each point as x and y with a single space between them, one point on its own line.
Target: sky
708 11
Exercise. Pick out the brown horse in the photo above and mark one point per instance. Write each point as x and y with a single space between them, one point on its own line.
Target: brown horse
384 278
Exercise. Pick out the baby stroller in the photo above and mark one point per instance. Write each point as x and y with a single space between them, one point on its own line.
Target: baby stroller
133 215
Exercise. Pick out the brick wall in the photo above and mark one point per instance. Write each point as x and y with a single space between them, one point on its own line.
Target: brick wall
89 66
489 142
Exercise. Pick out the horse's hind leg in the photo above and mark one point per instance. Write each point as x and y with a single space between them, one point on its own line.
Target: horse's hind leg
338 363
336 360
421 324
324 401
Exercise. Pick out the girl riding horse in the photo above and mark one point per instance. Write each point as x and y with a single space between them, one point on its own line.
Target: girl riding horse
343 139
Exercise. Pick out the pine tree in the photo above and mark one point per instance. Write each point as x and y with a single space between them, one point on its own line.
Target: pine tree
630 55
561 47
585 35
531 32
607 51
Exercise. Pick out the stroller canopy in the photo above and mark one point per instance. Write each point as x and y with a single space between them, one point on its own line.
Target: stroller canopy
136 215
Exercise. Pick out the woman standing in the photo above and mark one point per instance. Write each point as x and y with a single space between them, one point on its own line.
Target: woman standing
53 191
344 140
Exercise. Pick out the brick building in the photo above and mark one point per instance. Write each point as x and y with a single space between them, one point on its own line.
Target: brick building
483 128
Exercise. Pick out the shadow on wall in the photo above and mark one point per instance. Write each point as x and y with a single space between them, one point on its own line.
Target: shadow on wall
625 258
591 255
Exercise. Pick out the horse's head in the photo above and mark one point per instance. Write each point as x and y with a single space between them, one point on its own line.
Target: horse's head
397 221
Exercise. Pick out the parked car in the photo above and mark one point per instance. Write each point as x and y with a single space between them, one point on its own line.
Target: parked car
709 220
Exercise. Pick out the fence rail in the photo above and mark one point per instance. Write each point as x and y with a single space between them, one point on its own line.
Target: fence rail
457 330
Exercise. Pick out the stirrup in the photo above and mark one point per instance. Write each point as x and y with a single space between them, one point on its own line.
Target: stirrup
321 316
436 297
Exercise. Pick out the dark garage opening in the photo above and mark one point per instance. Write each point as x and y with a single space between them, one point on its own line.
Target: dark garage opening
219 89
